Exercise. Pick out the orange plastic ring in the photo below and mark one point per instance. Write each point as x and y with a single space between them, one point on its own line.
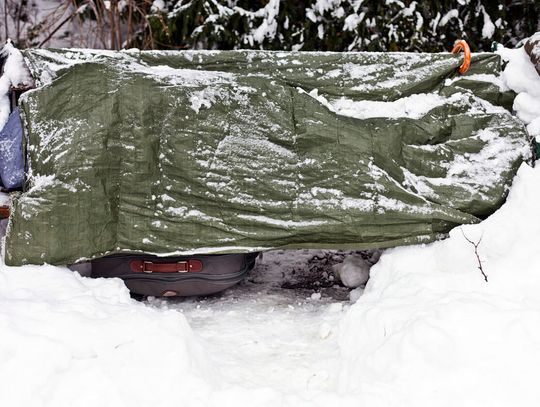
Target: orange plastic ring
462 45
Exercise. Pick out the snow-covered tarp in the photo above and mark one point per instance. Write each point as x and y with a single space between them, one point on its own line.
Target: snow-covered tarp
428 331
197 151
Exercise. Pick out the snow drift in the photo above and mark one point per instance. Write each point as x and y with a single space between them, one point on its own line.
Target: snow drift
66 340
430 331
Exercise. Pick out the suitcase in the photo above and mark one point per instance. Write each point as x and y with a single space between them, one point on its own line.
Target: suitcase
176 276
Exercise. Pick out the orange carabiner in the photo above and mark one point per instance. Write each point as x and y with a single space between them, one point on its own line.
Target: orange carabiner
462 45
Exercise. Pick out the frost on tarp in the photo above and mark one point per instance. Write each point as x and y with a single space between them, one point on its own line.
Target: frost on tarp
197 151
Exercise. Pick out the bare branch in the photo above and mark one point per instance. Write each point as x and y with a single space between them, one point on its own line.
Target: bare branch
6 32
56 29
475 245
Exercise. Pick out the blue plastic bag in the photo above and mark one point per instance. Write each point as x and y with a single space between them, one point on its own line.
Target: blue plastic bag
11 155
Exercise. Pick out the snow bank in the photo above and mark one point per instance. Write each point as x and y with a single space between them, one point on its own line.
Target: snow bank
66 340
429 331
521 76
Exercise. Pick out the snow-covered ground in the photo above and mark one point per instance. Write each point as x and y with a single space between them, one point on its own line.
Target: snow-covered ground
428 330
73 341
269 341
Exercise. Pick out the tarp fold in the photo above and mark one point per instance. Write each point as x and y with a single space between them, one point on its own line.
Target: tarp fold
197 151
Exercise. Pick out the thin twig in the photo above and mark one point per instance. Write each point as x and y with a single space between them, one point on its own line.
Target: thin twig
118 26
100 22
112 5
56 29
6 20
130 24
18 22
476 252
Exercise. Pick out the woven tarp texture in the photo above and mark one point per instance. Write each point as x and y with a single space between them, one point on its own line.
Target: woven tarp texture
234 151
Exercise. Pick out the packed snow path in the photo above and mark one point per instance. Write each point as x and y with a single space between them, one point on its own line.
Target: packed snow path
260 335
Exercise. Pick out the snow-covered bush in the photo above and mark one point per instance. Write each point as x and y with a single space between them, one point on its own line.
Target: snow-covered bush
332 25
341 25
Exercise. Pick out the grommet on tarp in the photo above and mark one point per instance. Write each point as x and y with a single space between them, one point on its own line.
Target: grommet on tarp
462 45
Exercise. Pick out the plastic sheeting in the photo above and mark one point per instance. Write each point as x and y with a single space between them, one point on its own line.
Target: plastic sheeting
201 152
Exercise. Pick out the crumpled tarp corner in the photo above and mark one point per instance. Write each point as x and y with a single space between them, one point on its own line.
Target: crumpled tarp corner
201 151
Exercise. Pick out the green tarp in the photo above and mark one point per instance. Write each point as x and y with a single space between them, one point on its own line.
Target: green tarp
176 152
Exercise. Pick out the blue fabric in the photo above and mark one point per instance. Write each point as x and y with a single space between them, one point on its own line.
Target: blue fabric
11 156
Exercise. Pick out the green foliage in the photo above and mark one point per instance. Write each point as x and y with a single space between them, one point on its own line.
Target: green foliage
341 25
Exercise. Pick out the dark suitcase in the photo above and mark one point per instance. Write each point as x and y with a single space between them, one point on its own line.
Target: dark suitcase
176 276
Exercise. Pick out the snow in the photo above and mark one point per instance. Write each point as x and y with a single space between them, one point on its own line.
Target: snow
519 73
66 340
521 76
15 74
157 6
449 15
351 21
4 198
14 68
282 223
273 346
482 77
431 331
354 271
414 106
488 29
266 17
484 167
72 341
269 25
527 107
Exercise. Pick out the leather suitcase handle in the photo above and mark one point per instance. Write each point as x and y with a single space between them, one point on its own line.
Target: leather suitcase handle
4 212
187 266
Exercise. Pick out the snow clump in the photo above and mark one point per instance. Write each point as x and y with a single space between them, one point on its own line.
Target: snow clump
14 74
521 76
66 340
353 272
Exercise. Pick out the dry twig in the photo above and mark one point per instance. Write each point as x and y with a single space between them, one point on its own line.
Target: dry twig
480 267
